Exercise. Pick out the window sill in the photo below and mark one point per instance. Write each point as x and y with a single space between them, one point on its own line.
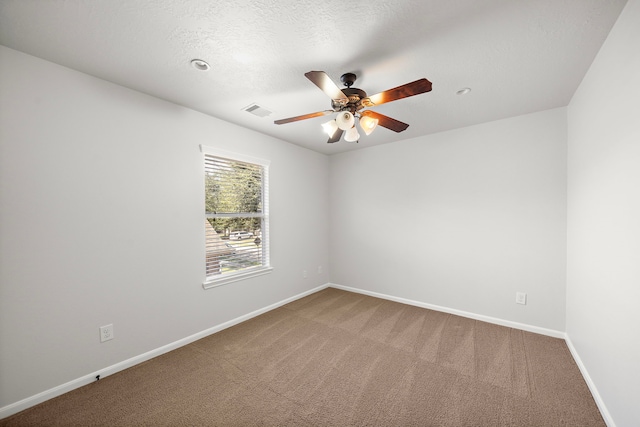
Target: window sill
221 281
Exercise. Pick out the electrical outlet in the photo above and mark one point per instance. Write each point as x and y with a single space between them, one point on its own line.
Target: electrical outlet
304 274
319 269
521 298
106 333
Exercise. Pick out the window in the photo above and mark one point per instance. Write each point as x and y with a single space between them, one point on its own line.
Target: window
236 216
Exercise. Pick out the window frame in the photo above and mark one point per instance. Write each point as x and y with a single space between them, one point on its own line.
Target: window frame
265 267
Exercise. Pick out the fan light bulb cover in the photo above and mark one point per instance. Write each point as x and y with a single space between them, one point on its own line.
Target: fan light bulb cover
352 135
345 120
368 124
330 127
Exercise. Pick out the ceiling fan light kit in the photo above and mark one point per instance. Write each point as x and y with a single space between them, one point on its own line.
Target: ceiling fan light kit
350 102
368 124
330 127
345 120
352 135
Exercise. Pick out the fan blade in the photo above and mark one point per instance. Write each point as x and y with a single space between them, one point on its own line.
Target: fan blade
303 117
322 80
385 121
404 91
336 136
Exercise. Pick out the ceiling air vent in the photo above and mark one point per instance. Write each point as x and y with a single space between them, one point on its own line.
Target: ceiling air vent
257 110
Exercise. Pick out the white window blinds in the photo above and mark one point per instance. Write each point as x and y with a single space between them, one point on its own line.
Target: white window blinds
236 218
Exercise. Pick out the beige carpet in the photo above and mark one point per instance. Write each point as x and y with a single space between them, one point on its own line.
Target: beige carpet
337 358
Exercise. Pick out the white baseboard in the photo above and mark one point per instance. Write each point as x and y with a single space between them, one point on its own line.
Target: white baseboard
592 387
23 404
488 319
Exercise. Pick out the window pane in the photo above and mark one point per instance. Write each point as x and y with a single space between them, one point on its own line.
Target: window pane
232 187
233 244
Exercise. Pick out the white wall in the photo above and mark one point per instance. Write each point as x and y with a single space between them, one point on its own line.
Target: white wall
603 269
462 219
101 201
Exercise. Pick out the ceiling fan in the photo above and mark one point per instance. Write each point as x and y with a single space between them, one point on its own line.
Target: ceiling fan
350 102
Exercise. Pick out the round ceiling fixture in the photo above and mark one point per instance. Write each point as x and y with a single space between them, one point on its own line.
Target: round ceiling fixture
463 91
200 65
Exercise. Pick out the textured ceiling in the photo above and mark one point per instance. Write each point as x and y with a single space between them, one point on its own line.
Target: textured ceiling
516 56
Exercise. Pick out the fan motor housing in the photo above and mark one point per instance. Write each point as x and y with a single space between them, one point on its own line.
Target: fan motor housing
354 95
